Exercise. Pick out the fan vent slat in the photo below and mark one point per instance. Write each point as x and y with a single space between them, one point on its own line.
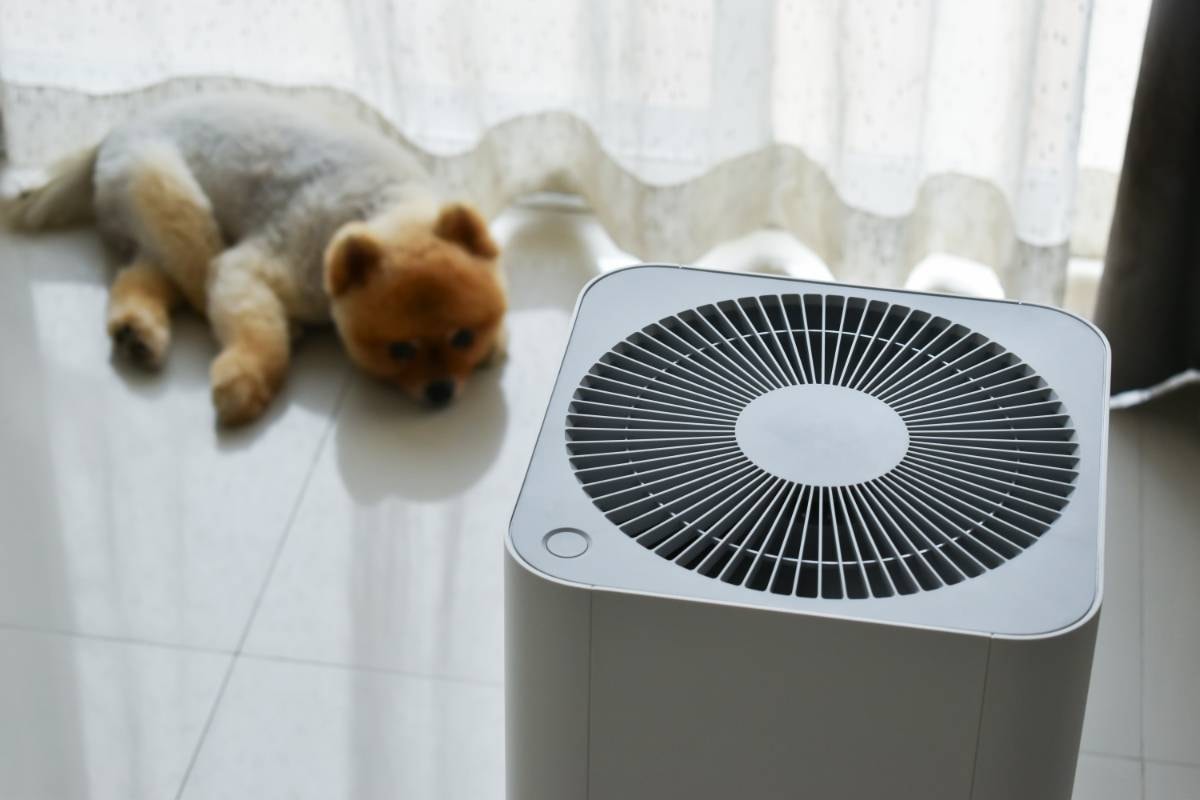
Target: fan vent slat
989 465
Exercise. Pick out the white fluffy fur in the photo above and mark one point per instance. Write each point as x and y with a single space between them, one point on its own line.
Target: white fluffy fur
278 180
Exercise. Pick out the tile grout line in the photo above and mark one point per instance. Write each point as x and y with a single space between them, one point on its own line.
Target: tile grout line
374 670
112 639
295 511
208 720
216 651
287 529
1166 762
1139 434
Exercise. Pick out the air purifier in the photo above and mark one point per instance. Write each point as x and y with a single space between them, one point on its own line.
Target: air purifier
782 539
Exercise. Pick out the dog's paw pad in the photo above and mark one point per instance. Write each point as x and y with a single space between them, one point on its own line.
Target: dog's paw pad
139 340
239 394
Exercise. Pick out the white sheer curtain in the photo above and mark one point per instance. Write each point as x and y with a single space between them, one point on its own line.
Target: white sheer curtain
877 132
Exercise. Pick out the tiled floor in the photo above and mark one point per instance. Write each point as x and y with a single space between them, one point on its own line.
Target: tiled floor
1142 732
311 608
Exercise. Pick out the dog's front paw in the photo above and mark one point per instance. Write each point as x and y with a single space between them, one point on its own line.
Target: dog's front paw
140 336
240 389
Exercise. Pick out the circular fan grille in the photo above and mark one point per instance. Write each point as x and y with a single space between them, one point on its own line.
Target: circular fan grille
988 463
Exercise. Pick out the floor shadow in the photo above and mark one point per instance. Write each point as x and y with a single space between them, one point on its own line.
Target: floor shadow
387 446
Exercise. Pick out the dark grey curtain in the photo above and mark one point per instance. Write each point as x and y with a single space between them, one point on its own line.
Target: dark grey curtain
1149 304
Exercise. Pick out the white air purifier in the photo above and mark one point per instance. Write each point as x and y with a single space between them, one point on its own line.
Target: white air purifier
782 539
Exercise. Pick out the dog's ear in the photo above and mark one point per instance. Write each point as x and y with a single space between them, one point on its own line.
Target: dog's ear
463 226
351 258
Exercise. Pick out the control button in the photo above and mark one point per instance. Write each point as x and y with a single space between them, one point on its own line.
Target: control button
566 542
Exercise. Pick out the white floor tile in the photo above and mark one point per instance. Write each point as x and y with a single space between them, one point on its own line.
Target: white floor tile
92 719
1172 782
301 731
1104 778
1171 525
394 559
127 514
1114 715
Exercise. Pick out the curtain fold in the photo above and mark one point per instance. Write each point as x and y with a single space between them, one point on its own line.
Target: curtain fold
876 134
1149 303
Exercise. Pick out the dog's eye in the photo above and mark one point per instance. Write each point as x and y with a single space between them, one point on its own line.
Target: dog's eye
402 351
462 338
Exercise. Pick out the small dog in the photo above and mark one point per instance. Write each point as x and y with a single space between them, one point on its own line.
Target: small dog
264 217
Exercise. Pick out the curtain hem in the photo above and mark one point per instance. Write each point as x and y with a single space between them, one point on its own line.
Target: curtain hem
1136 397
776 186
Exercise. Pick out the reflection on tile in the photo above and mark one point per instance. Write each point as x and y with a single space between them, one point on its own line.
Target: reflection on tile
1114 715
1171 521
127 513
1104 778
394 559
1172 782
92 719
548 257
303 731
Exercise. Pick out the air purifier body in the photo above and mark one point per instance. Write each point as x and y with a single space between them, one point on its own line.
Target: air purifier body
782 539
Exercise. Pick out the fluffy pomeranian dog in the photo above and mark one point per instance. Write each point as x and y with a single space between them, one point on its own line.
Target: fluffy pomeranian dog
265 216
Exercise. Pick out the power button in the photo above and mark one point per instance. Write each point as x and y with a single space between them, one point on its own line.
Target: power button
566 542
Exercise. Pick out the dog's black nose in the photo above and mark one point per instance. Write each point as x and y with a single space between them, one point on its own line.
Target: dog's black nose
439 393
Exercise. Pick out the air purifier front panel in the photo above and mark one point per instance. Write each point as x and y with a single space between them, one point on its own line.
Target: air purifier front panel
789 539
862 453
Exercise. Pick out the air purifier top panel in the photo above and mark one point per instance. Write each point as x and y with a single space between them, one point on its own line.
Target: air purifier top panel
824 449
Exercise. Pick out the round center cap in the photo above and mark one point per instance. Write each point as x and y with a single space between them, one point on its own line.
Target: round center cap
822 435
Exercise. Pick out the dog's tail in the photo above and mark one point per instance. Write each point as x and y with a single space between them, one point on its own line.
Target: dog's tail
64 200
